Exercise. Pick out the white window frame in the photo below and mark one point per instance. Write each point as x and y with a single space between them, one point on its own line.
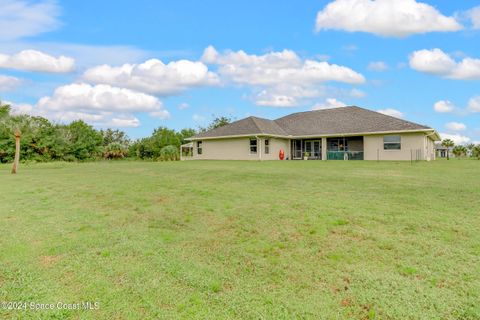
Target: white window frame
253 146
392 143
200 147
267 146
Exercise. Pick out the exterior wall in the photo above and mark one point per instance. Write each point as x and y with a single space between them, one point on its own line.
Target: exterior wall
239 149
411 142
275 146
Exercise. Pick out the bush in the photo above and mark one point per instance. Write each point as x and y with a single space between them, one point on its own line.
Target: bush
169 153
115 150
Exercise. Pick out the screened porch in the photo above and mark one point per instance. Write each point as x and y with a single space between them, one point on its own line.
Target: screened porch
338 148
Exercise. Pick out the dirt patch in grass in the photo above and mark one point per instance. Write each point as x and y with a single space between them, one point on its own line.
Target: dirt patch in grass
49 261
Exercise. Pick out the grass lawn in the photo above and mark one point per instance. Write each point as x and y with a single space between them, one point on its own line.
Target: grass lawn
250 240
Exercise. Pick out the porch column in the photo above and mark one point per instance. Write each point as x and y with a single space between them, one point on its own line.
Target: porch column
324 148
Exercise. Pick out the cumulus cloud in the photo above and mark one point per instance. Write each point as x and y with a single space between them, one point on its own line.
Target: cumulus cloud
8 83
101 105
437 62
378 66
474 104
474 16
443 106
392 112
36 61
455 126
281 79
154 76
456 138
329 104
27 18
278 68
388 18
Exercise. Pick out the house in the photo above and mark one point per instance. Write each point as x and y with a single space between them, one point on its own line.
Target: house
347 133
441 151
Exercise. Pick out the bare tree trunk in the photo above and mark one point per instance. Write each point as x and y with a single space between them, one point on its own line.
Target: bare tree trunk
17 151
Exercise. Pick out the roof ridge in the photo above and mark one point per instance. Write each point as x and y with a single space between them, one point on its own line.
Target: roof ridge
256 124
319 110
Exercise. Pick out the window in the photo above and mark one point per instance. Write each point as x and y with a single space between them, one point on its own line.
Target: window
199 147
392 143
253 146
267 146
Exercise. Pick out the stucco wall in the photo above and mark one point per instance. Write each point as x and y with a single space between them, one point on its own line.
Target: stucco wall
239 149
411 142
275 146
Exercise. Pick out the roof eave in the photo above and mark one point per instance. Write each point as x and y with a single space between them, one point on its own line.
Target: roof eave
436 136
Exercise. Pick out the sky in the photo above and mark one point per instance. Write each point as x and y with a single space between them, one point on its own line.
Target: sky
138 65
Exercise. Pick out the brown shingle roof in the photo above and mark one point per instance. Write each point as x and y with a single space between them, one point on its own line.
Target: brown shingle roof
346 120
247 126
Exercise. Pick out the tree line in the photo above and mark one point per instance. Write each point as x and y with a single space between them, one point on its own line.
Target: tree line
42 140
468 150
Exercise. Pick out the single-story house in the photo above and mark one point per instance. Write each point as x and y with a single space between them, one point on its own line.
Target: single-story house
347 133
441 151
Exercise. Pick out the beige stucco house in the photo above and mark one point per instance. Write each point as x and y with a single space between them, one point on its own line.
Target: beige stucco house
348 133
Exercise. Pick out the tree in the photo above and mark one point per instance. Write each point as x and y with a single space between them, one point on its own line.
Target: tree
84 142
114 136
476 151
459 151
217 122
187 133
448 143
470 147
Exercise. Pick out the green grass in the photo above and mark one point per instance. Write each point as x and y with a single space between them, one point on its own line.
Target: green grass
249 240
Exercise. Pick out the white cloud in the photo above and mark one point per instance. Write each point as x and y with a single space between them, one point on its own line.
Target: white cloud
101 105
8 83
474 104
85 55
438 62
457 138
281 79
443 106
36 61
474 16
357 93
392 112
389 18
153 76
266 98
455 126
378 66
132 122
279 68
329 104
27 18
183 106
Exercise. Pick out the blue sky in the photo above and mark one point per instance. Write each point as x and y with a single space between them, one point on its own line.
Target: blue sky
419 60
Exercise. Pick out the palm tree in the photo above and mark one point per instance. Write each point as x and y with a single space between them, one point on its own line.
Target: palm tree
13 126
448 143
470 147
459 151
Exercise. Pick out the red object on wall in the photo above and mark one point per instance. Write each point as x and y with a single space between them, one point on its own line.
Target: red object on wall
281 154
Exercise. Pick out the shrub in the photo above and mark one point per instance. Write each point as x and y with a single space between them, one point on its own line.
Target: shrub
169 153
115 150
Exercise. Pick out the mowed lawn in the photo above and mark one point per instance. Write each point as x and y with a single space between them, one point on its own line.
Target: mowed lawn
243 240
